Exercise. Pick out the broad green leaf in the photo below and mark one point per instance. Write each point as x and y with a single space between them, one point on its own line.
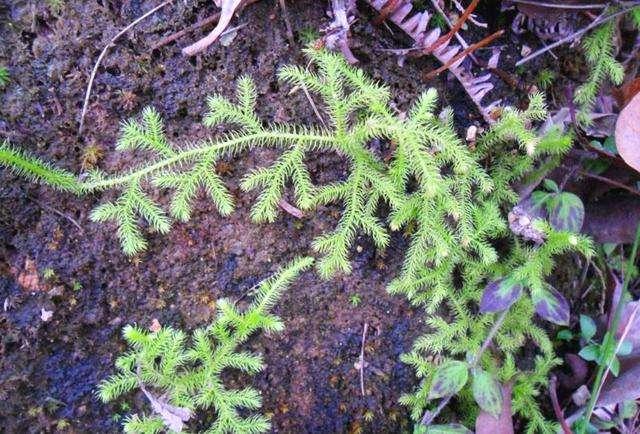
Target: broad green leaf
587 327
551 185
486 392
449 378
499 294
551 305
590 353
540 198
566 212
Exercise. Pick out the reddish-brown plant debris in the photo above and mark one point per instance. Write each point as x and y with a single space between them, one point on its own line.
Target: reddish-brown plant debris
415 25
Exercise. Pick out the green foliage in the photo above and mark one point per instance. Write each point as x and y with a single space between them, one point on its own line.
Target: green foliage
180 375
545 78
36 170
457 213
56 6
565 211
599 51
452 199
486 392
4 76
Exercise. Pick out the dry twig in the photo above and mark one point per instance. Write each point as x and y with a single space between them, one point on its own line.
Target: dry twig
575 35
556 405
85 106
483 42
361 359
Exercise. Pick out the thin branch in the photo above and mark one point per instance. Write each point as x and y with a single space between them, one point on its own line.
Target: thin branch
287 23
560 5
460 39
388 8
454 30
574 35
610 182
556 405
60 213
463 54
85 106
202 23
361 360
429 416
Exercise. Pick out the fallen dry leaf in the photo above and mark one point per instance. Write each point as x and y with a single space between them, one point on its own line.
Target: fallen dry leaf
628 133
623 388
626 92
172 416
633 335
488 424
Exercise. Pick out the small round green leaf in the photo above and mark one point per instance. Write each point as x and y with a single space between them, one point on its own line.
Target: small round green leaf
487 393
566 212
590 353
625 348
449 378
551 185
565 335
587 327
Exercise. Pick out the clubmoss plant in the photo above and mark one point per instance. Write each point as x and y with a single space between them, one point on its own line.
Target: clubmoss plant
454 196
600 52
181 376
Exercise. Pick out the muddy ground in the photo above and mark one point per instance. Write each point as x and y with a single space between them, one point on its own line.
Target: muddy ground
49 370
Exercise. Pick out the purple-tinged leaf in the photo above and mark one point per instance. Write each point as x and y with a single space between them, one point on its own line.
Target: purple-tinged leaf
551 305
488 424
499 295
450 428
449 378
566 212
487 392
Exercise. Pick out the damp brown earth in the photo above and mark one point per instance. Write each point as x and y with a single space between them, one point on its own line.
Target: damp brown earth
49 369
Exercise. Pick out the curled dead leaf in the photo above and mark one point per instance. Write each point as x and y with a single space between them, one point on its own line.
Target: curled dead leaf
172 416
628 133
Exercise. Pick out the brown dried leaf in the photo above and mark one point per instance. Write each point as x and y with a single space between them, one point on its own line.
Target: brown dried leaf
173 417
486 423
628 133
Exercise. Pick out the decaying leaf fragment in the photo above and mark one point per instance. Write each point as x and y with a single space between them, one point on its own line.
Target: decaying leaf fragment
628 133
173 417
228 9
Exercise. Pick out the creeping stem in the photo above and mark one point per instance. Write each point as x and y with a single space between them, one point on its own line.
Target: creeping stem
186 155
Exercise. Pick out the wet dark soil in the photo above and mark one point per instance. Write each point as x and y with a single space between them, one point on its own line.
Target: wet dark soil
49 369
